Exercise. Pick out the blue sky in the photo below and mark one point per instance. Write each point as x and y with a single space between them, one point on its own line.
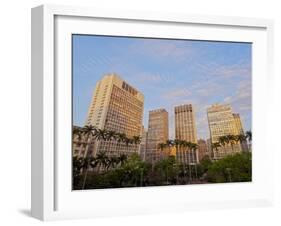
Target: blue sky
168 73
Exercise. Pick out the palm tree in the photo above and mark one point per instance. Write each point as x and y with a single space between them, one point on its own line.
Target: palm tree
223 141
188 145
87 162
101 134
89 132
177 143
161 146
122 159
112 162
194 148
77 132
249 137
110 135
128 141
102 160
169 144
136 140
241 138
215 146
184 145
231 139
120 137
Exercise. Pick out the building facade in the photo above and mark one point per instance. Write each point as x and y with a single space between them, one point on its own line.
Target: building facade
240 130
118 107
209 148
185 129
202 149
222 122
158 132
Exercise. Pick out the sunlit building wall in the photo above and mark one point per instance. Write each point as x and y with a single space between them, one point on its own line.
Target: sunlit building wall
116 106
185 129
239 126
158 132
221 123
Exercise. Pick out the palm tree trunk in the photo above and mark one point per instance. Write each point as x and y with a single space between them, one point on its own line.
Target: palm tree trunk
85 177
189 167
196 176
87 147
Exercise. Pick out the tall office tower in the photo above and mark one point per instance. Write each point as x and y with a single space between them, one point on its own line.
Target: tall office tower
185 129
202 149
116 106
158 132
221 123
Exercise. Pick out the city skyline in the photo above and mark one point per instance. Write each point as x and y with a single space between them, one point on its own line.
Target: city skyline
180 72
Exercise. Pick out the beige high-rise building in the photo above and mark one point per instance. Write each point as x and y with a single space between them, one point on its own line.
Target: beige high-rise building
222 122
185 129
158 132
116 106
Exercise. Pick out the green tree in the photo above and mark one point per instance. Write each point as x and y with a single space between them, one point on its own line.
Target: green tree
86 164
87 133
249 138
134 170
167 168
232 168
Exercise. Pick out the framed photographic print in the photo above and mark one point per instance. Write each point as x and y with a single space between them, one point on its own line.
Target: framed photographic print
136 113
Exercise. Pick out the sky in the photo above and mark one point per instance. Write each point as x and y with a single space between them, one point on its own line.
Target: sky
168 73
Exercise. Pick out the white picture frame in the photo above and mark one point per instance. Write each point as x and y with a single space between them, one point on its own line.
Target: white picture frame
52 197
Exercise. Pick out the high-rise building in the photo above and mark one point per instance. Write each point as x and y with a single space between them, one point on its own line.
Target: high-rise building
202 149
222 123
158 132
240 130
185 129
116 106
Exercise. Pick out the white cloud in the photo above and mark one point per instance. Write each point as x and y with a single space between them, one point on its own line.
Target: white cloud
177 93
162 49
